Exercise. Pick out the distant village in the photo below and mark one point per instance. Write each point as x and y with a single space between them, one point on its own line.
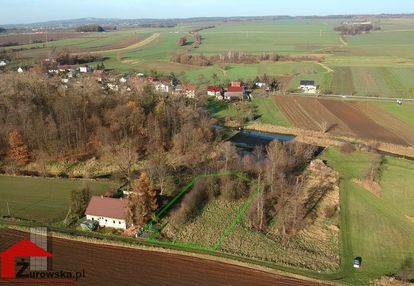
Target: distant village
235 91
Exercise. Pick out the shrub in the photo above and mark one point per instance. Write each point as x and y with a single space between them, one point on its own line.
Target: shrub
347 148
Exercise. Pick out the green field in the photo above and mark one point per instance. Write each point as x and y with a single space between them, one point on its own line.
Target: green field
264 107
403 112
43 199
375 228
379 63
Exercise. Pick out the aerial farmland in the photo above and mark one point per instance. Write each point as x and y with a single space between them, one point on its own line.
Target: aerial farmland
245 150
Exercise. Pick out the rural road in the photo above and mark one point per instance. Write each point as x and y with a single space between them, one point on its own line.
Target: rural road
109 265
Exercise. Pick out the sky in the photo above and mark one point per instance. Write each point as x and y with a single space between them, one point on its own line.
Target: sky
29 11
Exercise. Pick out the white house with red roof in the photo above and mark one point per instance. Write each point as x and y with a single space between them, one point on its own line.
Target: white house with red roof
108 212
214 90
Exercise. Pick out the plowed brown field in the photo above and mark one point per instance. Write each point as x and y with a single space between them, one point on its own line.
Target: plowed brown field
347 118
109 265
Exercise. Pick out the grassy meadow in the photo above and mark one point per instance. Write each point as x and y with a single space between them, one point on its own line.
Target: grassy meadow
43 199
376 228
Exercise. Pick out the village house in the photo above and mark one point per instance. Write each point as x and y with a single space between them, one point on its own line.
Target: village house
108 212
3 63
162 87
20 70
308 86
214 91
234 93
190 90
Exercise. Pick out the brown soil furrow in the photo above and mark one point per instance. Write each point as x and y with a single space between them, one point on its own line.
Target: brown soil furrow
361 124
294 113
321 114
110 265
398 127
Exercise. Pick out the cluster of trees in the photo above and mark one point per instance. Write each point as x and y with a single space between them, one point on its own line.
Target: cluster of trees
2 30
90 28
235 58
142 203
285 201
186 59
42 120
284 198
197 39
228 188
79 200
182 41
355 28
9 44
66 58
202 28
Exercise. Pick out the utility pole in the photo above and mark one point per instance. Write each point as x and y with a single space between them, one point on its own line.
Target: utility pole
8 209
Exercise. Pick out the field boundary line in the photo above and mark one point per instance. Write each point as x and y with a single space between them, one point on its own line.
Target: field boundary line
149 226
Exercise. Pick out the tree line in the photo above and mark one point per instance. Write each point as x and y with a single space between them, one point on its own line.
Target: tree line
90 28
43 120
235 57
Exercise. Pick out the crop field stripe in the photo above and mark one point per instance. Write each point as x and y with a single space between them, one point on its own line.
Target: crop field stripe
184 190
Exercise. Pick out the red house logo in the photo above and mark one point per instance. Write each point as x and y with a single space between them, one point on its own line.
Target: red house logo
24 248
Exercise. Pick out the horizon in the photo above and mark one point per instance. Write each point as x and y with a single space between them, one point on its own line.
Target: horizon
34 11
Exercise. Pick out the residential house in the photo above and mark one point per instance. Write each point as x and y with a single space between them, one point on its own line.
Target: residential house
162 87
20 70
189 90
108 212
3 63
234 93
308 86
214 91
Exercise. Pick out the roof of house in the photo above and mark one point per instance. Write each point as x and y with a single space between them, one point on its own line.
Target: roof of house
236 83
107 207
214 88
190 87
235 89
307 82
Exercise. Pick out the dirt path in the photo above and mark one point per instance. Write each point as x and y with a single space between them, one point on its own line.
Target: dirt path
109 265
328 69
132 47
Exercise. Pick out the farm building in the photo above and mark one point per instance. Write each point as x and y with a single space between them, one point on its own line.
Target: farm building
214 91
108 212
308 86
